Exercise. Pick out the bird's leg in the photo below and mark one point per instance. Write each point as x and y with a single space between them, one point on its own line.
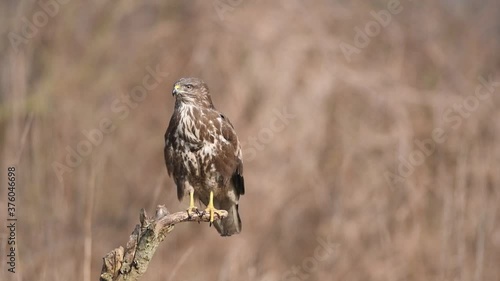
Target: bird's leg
211 209
192 208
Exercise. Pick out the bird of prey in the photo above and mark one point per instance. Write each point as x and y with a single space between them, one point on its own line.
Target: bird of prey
203 155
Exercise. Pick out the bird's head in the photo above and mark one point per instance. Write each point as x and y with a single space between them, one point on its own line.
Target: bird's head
192 91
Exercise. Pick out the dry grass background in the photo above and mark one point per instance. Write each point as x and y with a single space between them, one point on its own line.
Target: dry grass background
321 177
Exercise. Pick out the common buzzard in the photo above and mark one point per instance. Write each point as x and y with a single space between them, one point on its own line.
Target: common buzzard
203 154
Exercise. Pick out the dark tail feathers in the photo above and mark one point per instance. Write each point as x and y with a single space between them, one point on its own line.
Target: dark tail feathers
232 223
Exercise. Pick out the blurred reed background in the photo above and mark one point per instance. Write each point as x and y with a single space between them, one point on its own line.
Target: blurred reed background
336 103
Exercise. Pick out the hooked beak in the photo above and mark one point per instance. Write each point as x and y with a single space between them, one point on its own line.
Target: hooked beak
176 89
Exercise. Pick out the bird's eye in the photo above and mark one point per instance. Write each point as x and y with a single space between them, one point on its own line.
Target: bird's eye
189 86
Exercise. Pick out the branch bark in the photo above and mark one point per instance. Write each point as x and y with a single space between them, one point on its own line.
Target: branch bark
131 262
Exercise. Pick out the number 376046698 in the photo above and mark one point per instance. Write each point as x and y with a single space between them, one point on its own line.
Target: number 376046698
11 194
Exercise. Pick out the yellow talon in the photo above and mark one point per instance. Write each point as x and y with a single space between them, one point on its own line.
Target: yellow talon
192 208
210 208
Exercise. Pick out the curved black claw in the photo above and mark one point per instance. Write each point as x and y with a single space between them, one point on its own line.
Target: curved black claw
212 212
191 211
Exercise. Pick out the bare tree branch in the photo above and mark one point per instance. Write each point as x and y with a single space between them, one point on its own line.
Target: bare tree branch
130 263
